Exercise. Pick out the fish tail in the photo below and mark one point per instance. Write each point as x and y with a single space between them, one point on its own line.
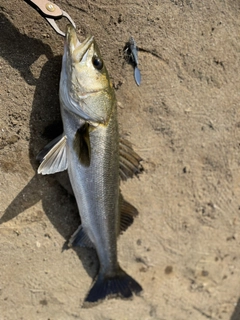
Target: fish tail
119 285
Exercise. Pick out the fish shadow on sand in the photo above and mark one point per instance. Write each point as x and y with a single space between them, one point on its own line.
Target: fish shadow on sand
45 124
236 313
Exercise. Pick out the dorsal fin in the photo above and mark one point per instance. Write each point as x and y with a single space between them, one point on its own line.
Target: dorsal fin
130 161
127 214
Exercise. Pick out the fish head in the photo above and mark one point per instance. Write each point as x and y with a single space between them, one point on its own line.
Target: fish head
85 87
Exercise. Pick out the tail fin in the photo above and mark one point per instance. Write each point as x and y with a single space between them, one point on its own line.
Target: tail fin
120 285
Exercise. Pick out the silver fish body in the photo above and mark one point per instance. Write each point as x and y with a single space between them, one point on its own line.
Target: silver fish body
96 187
89 150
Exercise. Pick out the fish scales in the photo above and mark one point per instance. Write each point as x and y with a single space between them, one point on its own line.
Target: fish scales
97 186
89 150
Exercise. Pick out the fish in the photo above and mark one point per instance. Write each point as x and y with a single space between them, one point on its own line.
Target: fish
96 159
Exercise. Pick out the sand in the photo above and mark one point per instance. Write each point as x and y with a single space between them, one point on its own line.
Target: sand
183 120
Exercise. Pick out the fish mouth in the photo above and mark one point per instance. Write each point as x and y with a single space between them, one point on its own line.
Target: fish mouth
76 49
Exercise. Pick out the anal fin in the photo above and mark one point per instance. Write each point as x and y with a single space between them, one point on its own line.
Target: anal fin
127 214
80 239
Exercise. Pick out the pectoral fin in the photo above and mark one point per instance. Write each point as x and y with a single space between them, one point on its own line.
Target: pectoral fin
55 159
130 161
82 145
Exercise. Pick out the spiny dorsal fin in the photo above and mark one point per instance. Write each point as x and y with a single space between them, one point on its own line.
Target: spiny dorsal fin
130 161
82 145
54 160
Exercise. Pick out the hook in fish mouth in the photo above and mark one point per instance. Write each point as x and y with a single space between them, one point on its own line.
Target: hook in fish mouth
78 50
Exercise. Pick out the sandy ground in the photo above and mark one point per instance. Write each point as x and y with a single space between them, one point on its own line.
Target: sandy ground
183 120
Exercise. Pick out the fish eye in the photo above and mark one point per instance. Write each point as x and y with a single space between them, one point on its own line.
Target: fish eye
97 63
